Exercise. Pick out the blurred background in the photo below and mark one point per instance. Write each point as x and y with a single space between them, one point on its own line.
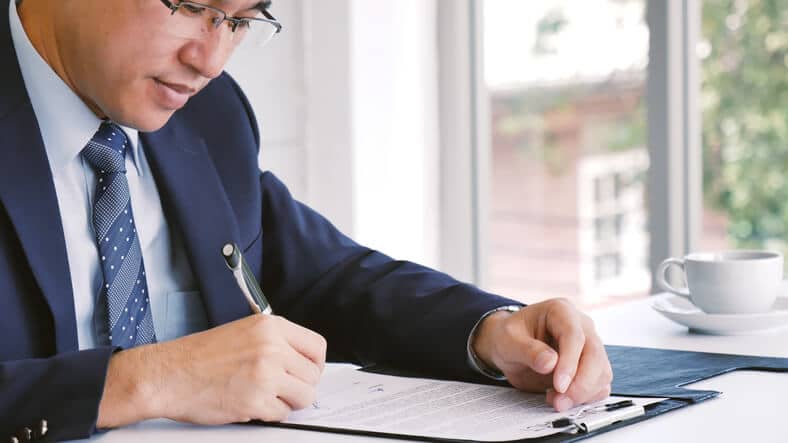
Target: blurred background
538 149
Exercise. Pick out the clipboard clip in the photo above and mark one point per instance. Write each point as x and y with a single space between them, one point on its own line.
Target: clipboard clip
599 421
593 418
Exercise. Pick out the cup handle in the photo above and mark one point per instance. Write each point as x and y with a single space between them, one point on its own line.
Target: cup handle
662 281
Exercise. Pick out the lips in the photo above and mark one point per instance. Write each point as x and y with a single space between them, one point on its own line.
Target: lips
181 89
172 96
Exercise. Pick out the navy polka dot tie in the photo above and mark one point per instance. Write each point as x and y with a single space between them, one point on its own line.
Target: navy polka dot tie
124 291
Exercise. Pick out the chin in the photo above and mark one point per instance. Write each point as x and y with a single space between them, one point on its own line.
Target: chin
153 125
150 120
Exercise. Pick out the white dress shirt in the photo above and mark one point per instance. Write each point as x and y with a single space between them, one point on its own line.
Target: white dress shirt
66 125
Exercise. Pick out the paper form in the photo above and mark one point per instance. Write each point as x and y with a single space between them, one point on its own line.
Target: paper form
351 399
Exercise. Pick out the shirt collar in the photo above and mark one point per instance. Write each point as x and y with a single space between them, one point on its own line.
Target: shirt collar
65 121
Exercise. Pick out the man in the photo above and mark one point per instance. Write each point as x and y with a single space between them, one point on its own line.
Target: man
128 159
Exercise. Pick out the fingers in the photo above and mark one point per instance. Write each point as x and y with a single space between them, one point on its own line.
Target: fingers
582 372
564 324
261 366
302 368
303 360
562 402
533 353
275 409
295 393
530 381
541 357
593 373
579 368
601 395
309 343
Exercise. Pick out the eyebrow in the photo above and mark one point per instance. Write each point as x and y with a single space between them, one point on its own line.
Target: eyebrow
260 6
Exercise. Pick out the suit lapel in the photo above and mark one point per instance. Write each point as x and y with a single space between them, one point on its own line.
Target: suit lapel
193 196
28 195
195 201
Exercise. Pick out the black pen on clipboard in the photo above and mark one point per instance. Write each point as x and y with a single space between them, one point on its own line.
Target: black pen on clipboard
245 279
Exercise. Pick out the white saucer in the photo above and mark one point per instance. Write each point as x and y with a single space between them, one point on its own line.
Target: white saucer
681 311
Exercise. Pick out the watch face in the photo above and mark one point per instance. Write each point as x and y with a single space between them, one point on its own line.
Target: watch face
510 308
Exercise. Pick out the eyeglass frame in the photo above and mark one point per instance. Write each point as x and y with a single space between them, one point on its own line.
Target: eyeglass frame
234 21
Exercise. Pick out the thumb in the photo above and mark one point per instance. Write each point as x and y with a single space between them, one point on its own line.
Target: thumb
537 355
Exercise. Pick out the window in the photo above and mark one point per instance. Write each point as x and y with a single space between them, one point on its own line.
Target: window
567 207
744 96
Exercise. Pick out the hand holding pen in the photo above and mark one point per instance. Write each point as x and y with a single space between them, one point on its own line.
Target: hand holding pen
259 367
247 283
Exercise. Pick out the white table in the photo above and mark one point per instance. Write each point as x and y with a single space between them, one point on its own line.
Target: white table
749 399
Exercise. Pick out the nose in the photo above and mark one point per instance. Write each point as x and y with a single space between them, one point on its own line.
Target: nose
208 55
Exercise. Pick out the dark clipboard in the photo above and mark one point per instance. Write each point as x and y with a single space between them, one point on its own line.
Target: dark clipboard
638 372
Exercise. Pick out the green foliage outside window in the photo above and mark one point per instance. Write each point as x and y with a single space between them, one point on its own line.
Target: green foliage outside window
745 117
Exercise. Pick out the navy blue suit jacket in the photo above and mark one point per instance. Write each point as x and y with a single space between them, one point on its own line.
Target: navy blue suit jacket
369 307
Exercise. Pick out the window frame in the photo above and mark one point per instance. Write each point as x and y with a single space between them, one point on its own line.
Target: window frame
674 127
674 134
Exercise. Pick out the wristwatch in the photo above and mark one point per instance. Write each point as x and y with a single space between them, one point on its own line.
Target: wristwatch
473 360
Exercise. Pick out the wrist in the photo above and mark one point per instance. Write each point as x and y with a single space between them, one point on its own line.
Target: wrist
132 388
482 342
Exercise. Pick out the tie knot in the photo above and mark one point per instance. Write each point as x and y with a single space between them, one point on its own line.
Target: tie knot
106 151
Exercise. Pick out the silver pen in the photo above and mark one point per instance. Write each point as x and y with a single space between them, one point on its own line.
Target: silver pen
248 284
245 279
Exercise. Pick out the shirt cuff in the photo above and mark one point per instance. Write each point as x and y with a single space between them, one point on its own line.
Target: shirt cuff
473 360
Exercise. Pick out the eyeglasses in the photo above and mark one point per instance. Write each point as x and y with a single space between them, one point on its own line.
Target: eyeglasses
194 20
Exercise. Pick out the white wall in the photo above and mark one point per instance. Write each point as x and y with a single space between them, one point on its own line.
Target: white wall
274 80
395 128
346 97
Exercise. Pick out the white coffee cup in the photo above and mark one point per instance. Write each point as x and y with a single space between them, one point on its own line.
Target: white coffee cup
728 282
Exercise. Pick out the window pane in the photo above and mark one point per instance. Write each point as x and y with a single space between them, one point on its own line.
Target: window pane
744 57
569 159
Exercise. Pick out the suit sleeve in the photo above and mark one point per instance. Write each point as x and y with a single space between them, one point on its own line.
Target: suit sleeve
369 307
65 390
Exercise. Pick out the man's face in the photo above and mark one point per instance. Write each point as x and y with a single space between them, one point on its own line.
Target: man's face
127 64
